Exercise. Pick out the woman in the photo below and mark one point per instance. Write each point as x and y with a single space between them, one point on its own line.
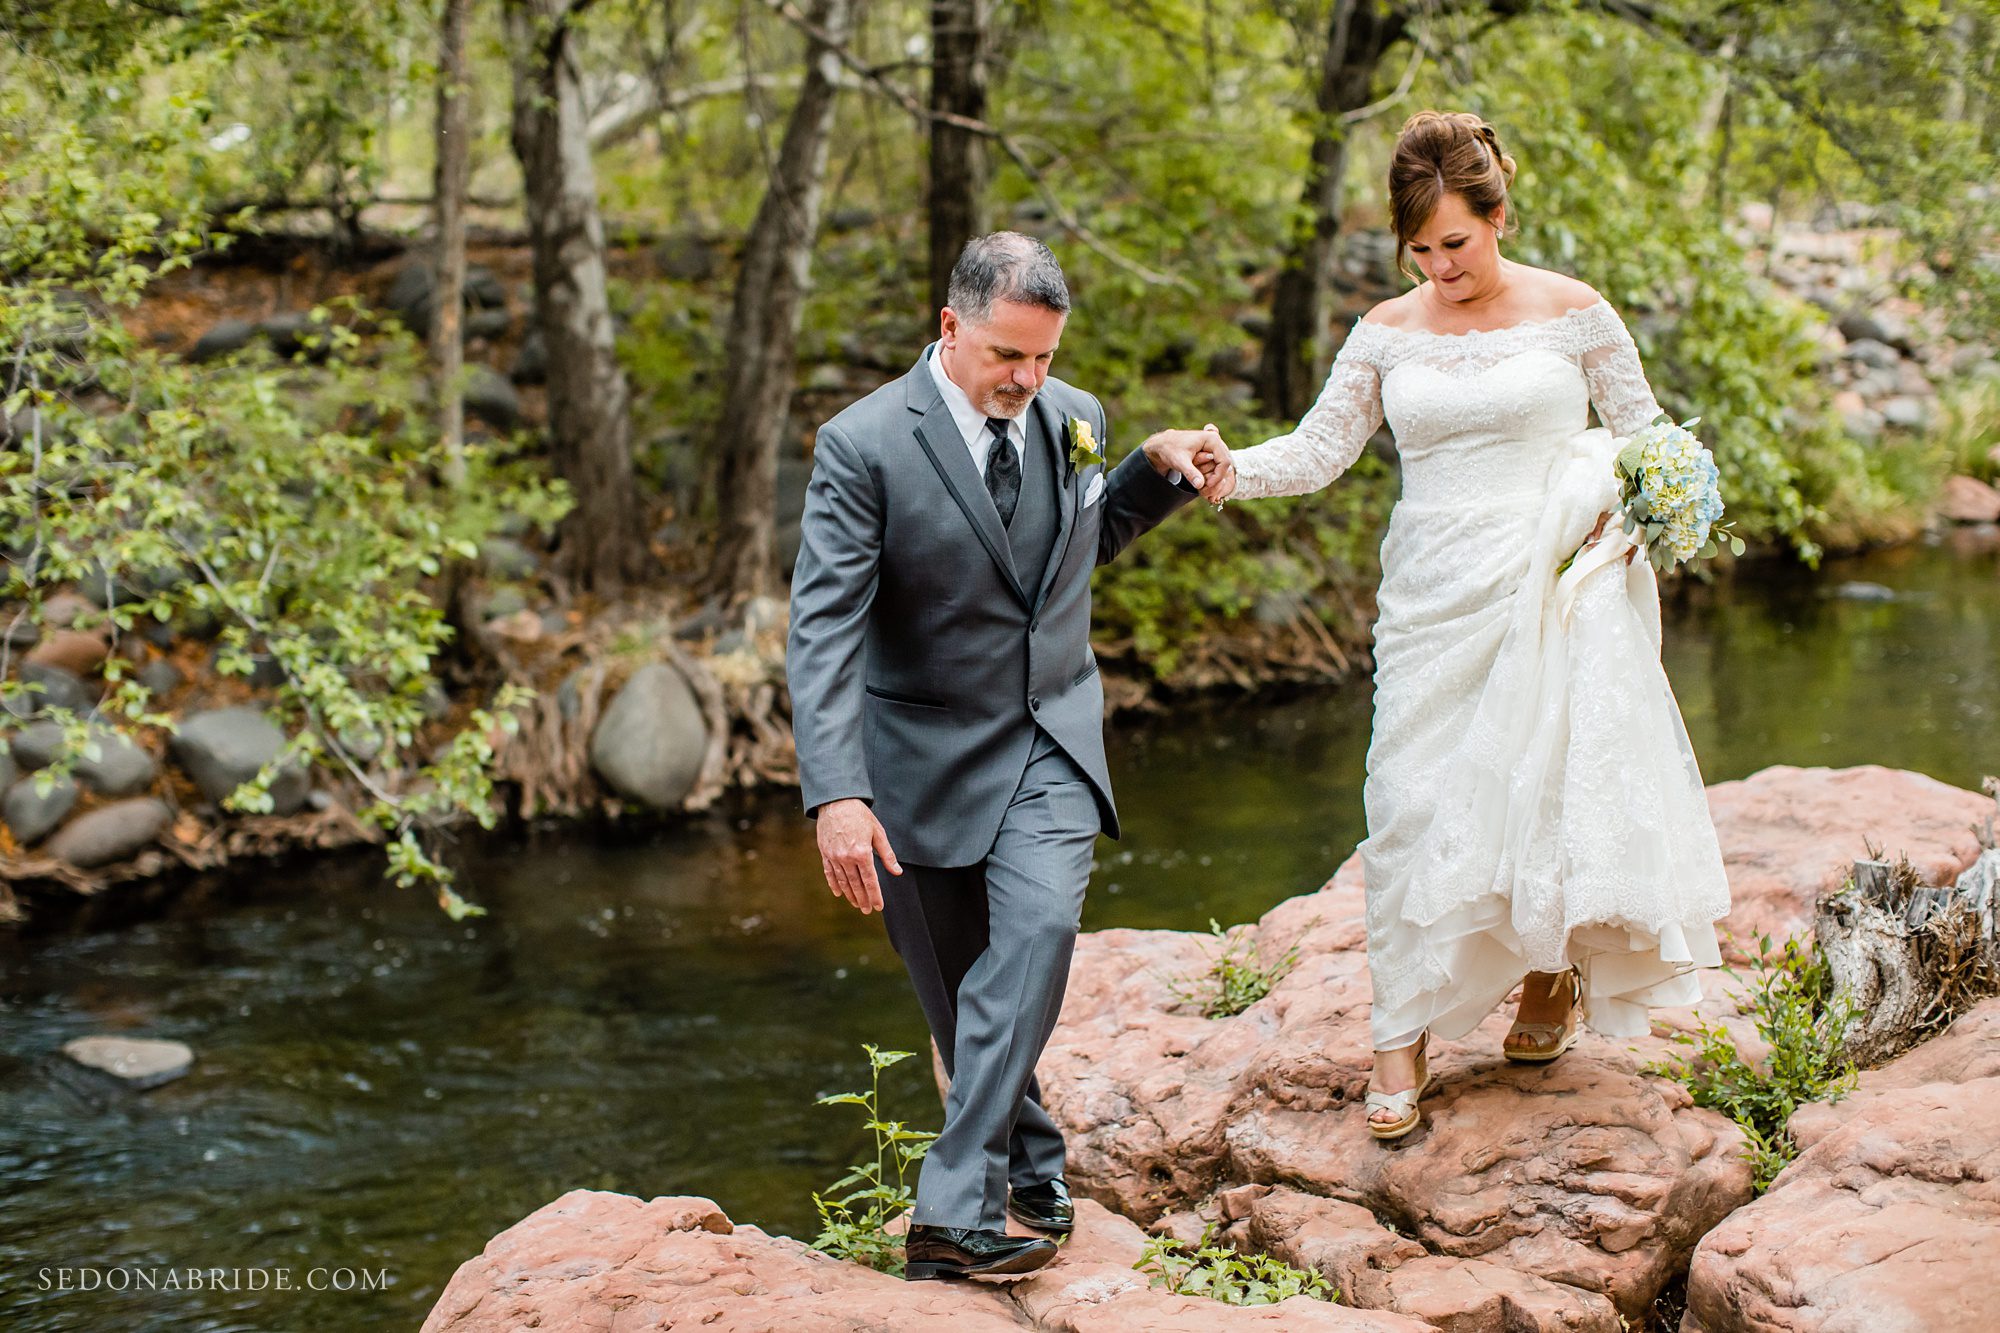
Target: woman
1535 815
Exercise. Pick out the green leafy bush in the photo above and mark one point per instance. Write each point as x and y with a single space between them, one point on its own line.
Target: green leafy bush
292 508
1789 995
1222 1274
854 1224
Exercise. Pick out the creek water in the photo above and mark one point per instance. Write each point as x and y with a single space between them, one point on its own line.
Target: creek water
377 1091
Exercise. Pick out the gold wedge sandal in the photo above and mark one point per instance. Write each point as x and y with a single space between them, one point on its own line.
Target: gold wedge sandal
1402 1104
1549 1040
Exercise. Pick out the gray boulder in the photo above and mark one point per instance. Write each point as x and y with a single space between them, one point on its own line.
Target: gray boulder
122 766
60 688
648 745
142 1062
297 331
505 558
32 813
35 745
161 676
224 748
484 289
1872 352
10 771
1906 413
487 323
231 335
110 833
531 362
492 399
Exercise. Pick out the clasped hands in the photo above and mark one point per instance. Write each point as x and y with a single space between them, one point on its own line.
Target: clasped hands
1200 456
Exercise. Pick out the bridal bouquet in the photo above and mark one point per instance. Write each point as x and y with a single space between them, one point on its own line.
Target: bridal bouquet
1668 496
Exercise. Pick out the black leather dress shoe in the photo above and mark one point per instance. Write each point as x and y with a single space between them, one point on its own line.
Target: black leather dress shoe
955 1252
1045 1207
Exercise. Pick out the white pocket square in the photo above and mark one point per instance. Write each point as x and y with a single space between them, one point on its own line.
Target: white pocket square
1094 492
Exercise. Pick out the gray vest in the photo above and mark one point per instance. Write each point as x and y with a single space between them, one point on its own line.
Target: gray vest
1031 537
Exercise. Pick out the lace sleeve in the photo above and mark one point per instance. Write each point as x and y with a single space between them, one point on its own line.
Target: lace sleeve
1329 439
1610 362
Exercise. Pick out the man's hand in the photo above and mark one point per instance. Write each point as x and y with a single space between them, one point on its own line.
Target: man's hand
1172 451
850 838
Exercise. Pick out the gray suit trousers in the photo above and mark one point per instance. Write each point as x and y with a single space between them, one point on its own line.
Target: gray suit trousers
988 949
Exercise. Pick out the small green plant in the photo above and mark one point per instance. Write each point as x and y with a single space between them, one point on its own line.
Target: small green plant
1790 996
854 1225
1220 1273
1236 977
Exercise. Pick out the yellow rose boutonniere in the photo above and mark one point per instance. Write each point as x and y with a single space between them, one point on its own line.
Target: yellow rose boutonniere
1083 449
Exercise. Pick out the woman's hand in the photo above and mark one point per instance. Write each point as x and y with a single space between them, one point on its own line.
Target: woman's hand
1217 467
1598 531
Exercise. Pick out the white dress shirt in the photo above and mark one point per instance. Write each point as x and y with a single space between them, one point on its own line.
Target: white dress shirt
971 421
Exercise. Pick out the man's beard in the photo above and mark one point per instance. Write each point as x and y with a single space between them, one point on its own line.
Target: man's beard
1007 406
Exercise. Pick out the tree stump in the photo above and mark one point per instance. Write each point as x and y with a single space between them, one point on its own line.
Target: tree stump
1909 957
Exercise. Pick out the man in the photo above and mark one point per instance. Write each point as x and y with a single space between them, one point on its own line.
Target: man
949 717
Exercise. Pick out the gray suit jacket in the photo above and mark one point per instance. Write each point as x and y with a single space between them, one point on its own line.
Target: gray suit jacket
919 665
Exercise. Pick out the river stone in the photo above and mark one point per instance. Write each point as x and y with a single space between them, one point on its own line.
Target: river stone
531 361
161 676
10 772
224 748
122 767
231 335
505 558
59 689
32 813
76 651
35 745
1969 500
649 744
109 833
1873 352
488 324
1906 413
142 1062
492 399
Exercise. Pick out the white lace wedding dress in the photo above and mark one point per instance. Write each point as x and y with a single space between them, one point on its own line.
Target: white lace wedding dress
1532 798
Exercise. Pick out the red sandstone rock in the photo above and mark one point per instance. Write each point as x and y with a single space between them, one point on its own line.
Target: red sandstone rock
72 650
1969 500
1790 834
1587 1174
606 1263
1890 1219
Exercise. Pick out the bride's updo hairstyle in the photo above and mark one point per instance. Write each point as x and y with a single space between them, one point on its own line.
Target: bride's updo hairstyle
1440 153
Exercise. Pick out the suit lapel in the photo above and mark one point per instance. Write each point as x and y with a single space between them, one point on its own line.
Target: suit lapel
939 437
1069 492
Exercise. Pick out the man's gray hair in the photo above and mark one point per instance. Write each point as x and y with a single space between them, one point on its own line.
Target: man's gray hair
1005 266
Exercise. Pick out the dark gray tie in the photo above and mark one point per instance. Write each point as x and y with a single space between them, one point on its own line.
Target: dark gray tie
1003 471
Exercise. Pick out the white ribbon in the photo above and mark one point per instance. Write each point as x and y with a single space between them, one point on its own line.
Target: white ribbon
1612 545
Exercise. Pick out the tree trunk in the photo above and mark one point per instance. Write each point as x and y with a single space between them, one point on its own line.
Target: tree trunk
761 351
601 544
1358 35
958 156
454 162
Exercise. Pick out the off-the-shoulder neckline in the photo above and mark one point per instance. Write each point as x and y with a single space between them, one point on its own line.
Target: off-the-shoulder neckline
1480 333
